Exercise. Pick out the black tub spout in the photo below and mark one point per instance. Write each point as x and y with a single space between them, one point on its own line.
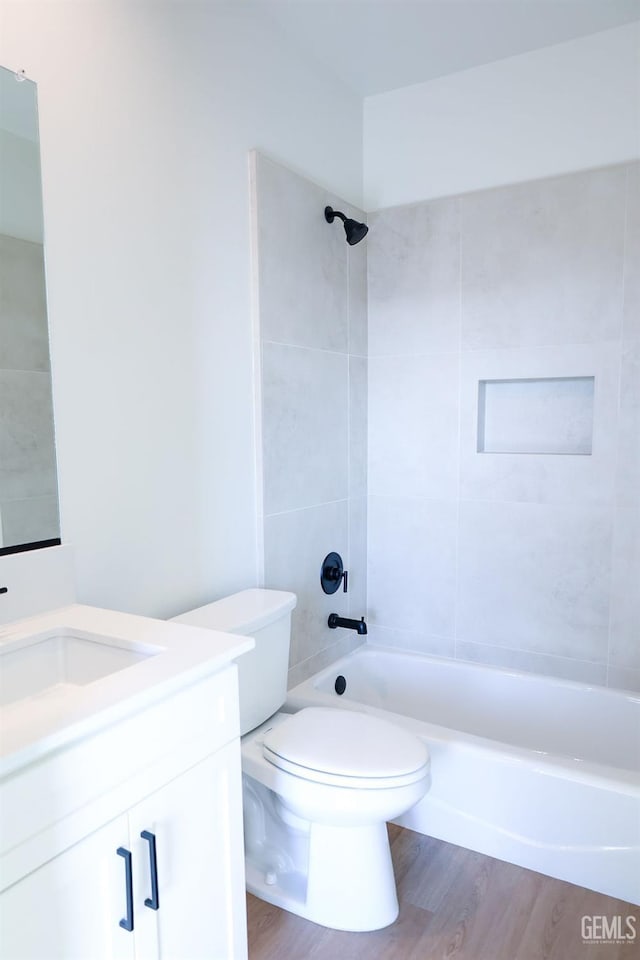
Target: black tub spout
336 621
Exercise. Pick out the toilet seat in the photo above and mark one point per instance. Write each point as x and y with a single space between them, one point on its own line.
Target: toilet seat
345 748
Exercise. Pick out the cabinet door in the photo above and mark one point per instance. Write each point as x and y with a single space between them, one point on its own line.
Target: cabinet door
197 824
70 908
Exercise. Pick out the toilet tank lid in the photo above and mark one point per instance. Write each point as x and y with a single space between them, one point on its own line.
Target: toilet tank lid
242 612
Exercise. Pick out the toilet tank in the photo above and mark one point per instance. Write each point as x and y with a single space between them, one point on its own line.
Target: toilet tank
264 615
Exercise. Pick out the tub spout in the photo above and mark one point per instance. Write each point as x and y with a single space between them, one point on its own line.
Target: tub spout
336 621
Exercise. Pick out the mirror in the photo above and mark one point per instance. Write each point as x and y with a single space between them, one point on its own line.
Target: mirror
28 481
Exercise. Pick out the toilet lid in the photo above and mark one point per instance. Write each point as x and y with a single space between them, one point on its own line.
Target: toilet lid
344 743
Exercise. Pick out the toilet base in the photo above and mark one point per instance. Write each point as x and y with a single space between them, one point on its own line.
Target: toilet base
349 882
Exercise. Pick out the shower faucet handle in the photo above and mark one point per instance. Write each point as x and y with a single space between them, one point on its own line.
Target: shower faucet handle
338 576
332 574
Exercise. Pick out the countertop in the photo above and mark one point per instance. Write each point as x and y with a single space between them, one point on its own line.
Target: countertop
175 656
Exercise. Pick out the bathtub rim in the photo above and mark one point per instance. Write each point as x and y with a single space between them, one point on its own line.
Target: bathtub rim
588 772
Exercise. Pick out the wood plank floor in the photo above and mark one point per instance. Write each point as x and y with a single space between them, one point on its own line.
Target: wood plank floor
454 905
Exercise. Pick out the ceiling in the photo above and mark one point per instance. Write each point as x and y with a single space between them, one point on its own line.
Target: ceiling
378 45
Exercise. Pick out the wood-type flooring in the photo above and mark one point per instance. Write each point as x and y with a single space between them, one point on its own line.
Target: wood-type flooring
454 905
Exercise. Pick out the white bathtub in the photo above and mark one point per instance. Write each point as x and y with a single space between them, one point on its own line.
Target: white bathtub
540 772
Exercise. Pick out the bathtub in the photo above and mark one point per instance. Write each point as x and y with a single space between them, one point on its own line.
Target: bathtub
539 772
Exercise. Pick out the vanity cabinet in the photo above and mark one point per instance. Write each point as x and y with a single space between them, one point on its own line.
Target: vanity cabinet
197 822
76 882
67 907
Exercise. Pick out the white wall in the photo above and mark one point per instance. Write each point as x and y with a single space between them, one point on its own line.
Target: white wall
147 113
524 559
563 108
312 292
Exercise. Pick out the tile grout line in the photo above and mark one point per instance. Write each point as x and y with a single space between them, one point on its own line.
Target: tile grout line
308 506
614 510
257 371
459 444
302 346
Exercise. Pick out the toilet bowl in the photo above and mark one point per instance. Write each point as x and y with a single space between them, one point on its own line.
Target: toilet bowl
318 788
319 785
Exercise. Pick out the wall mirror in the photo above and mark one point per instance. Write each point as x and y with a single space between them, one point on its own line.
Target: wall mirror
29 516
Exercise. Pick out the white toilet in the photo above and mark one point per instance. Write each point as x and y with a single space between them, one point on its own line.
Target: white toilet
318 785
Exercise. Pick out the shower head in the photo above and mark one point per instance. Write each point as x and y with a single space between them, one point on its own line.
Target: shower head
355 231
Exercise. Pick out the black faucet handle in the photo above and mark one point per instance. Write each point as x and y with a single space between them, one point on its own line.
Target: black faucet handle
332 574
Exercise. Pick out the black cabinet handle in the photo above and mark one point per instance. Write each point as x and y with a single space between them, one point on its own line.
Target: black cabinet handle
127 922
152 902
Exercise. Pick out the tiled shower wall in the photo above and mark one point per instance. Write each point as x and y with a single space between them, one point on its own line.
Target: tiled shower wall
28 485
311 293
526 560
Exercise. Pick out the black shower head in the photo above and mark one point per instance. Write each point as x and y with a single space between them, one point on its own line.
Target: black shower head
355 231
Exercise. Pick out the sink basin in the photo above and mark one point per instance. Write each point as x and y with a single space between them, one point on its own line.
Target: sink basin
77 670
49 664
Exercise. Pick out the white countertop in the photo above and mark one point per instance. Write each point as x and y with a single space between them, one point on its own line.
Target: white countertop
176 656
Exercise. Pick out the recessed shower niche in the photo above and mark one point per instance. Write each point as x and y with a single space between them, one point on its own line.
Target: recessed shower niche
552 415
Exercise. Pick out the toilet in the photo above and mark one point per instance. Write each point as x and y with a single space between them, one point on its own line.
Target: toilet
318 785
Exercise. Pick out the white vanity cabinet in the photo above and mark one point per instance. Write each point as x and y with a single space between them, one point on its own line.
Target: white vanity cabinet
68 907
197 822
78 831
